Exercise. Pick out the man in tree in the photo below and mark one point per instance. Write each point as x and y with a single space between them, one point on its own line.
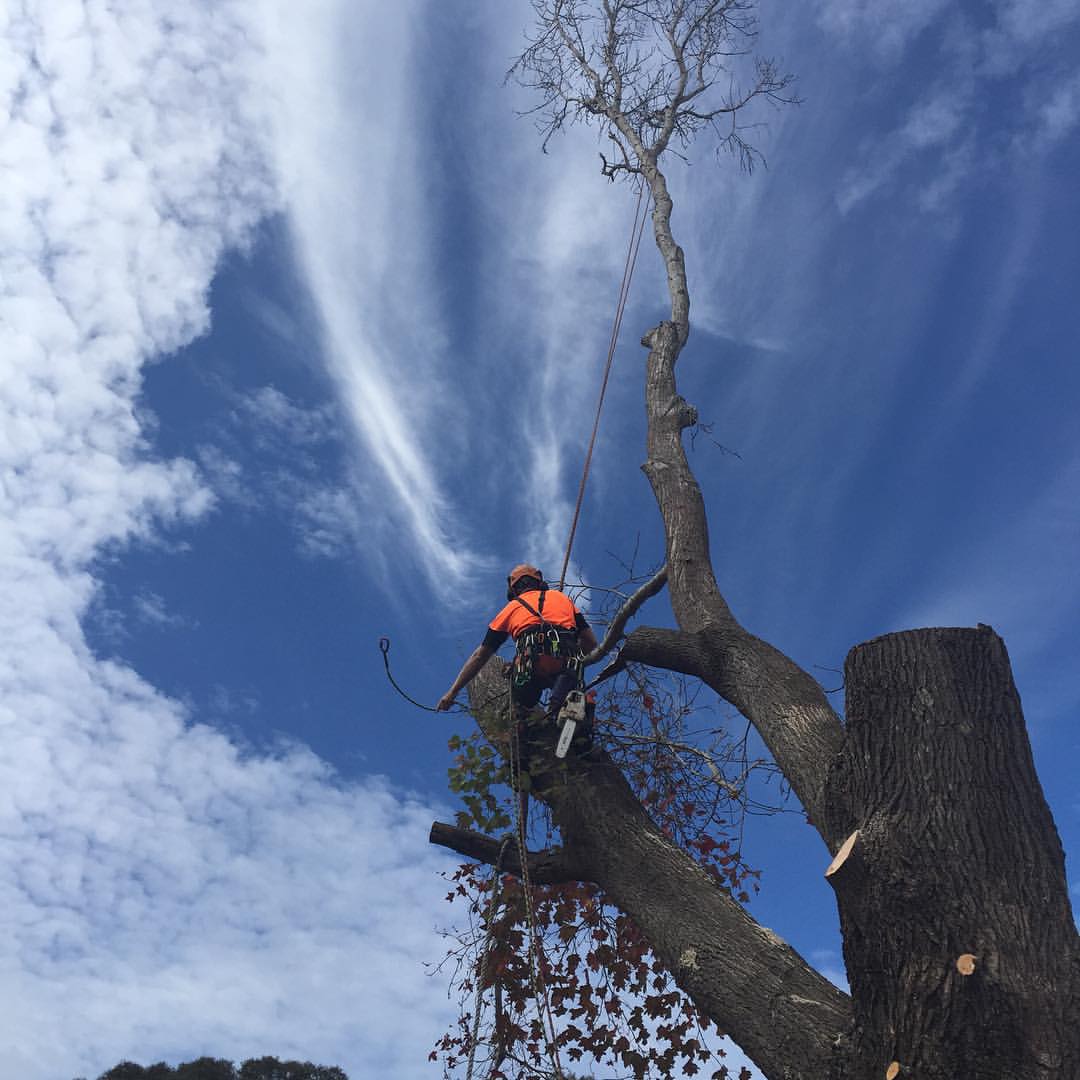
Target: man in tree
550 636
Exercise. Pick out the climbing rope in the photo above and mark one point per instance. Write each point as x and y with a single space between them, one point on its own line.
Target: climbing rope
636 231
384 648
538 986
489 920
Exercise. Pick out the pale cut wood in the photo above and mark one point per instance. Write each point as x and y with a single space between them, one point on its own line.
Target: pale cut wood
893 1071
965 964
841 856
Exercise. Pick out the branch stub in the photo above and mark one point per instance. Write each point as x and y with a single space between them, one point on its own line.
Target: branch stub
841 857
965 964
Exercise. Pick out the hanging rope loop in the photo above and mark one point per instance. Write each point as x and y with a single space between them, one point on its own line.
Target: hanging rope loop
384 648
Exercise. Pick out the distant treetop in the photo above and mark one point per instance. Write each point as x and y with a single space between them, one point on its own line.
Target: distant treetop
206 1068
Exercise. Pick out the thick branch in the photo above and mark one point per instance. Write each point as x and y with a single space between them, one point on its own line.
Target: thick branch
782 1013
659 647
741 975
785 704
550 867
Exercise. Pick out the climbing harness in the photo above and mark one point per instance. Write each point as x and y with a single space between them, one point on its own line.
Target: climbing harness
636 231
559 643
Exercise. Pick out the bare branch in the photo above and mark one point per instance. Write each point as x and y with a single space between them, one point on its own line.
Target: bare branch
550 867
637 66
627 612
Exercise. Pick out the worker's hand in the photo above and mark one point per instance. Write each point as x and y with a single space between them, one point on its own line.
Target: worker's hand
444 703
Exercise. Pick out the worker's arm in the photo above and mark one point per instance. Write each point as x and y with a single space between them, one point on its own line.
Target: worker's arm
480 656
586 638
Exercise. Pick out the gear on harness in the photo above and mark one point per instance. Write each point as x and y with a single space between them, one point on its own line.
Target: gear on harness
547 653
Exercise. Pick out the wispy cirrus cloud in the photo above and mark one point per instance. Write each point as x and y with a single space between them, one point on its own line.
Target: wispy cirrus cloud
354 184
885 26
383 256
1015 73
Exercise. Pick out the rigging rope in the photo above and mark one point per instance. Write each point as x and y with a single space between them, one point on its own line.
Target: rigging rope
547 1021
624 291
489 919
384 648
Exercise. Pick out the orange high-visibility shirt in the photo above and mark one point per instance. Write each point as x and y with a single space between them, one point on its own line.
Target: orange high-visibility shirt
558 610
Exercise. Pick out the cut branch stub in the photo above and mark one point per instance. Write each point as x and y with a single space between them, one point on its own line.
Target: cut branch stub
893 1071
965 964
841 857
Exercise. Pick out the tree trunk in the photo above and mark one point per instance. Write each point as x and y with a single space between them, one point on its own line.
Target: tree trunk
959 939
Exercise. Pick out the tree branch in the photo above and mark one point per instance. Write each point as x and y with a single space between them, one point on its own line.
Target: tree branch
744 977
553 866
625 613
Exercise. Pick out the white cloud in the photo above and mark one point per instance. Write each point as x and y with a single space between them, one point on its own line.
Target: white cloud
1023 27
369 282
150 609
953 131
934 121
272 413
163 893
931 133
886 26
1058 116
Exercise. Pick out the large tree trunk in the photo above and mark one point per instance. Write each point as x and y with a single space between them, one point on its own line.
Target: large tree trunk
959 939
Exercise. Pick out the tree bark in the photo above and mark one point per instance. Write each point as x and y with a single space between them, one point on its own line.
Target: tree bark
959 939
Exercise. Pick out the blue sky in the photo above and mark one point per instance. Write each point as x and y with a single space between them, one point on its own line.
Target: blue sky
299 340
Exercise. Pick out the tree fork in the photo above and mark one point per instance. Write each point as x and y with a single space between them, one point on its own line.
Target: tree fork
959 937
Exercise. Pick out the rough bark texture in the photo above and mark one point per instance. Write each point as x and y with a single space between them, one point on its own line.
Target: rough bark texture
786 705
957 857
738 973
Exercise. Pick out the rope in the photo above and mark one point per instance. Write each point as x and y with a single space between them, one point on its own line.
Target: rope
535 981
489 917
624 291
384 648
